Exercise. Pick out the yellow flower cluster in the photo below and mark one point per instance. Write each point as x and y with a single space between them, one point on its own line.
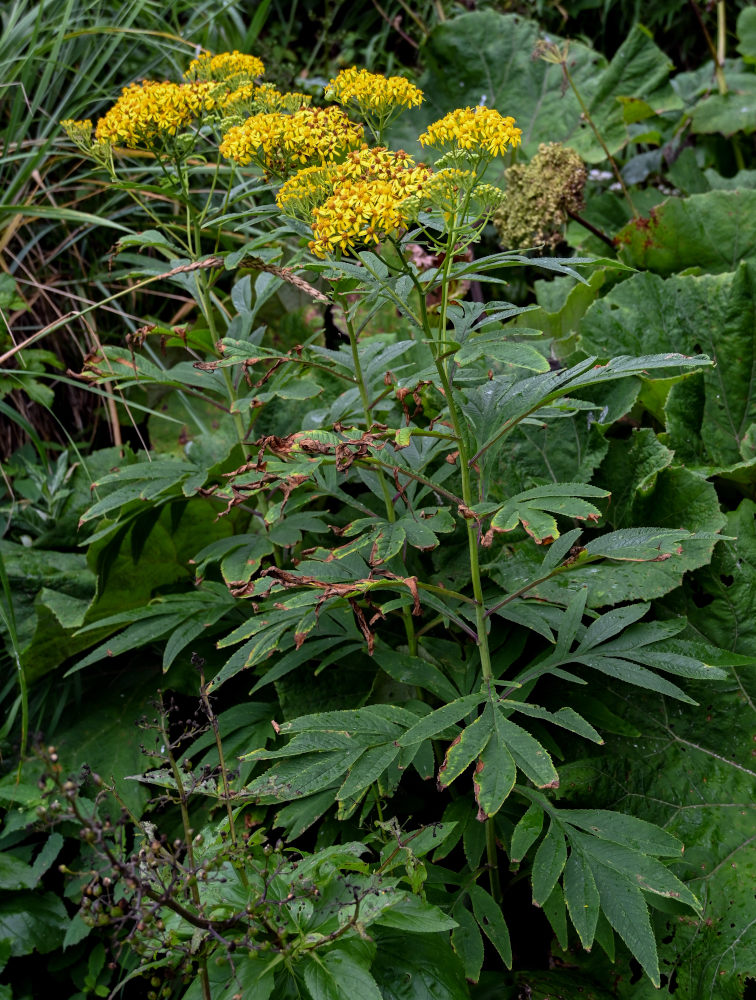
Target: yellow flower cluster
367 201
280 143
148 111
226 66
479 130
357 212
305 191
78 131
372 93
249 99
444 191
374 163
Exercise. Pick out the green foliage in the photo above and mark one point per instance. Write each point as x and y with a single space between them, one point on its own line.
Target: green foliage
488 560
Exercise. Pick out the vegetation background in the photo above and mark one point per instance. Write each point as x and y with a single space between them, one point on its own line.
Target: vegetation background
105 534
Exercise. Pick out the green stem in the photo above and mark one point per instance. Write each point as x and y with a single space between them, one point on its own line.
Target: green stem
143 205
194 241
471 525
721 46
372 460
587 114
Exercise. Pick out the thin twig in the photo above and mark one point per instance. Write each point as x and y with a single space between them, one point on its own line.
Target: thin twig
591 228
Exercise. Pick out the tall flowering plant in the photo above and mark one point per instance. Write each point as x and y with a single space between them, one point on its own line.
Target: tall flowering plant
370 540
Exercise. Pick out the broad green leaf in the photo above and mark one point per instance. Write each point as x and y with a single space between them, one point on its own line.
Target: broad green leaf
239 556
301 776
713 231
626 910
50 591
559 550
491 920
566 718
417 916
427 838
134 566
116 706
728 615
182 618
499 406
306 743
746 32
299 815
466 747
439 720
248 974
474 840
296 657
494 348
703 793
382 720
408 968
532 758
415 671
49 852
504 45
630 470
581 897
386 542
708 416
335 975
568 446
605 936
638 563
148 238
610 623
526 832
571 624
495 773
15 873
664 656
367 769
727 113
560 307
548 863
32 921
647 873
467 943
621 828
555 911
532 508
632 673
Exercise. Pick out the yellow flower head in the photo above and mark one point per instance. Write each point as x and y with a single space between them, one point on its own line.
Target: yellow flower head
147 112
234 68
270 99
78 131
305 191
444 191
239 99
369 190
374 163
280 143
249 99
357 212
478 130
372 94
